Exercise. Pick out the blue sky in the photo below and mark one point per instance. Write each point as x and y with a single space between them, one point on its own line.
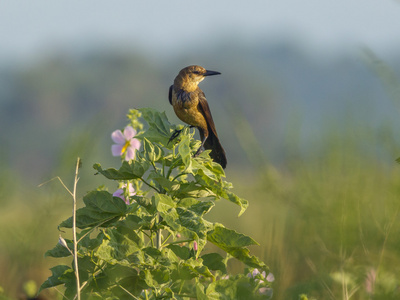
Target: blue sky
32 27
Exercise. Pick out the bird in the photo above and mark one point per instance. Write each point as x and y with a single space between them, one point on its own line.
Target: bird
191 106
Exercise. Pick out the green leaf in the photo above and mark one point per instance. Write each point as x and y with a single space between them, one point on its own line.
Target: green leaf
156 119
86 242
101 208
182 252
152 152
202 207
200 294
60 251
55 278
145 202
155 277
160 275
214 261
226 288
221 190
234 243
185 151
171 218
121 243
184 271
166 184
132 222
203 270
163 203
229 238
191 189
193 222
118 275
129 170
160 129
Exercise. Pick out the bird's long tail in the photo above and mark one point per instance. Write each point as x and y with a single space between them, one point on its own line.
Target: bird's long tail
217 151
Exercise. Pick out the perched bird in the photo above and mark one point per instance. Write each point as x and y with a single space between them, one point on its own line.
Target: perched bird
190 105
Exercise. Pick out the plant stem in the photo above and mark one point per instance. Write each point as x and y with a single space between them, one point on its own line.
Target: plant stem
148 184
165 240
158 235
78 288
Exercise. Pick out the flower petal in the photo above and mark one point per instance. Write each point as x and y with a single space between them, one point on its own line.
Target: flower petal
116 150
135 143
132 191
265 291
129 132
118 137
119 193
130 153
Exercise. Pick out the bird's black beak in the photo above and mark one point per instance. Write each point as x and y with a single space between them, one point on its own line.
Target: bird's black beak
210 73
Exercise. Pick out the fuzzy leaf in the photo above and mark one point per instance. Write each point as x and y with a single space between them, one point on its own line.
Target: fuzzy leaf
129 170
223 191
214 261
156 119
234 243
101 208
59 250
55 278
152 152
121 243
182 252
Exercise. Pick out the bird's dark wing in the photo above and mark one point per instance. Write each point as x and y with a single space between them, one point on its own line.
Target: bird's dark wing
205 110
170 94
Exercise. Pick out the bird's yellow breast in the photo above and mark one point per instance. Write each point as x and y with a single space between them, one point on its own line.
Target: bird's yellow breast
186 108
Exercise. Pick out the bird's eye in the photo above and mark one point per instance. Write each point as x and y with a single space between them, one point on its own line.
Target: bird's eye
196 72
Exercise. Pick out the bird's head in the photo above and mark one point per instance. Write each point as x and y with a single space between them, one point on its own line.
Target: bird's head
189 77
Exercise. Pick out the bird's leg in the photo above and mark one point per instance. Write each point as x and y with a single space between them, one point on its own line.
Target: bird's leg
176 134
198 152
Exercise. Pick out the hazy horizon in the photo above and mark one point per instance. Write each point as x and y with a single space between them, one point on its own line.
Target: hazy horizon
34 29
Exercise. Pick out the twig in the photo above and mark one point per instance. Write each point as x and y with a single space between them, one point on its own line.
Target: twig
78 287
129 293
57 177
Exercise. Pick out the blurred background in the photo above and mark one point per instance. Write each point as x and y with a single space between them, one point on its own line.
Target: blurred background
307 108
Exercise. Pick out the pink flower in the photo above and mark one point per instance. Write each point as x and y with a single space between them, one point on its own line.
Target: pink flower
125 143
195 247
270 278
120 193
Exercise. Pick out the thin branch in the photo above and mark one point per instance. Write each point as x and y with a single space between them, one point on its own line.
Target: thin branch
166 239
40 185
179 175
158 234
148 184
126 291
95 227
78 288
61 293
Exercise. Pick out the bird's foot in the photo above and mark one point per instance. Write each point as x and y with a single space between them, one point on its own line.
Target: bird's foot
174 135
177 133
198 152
